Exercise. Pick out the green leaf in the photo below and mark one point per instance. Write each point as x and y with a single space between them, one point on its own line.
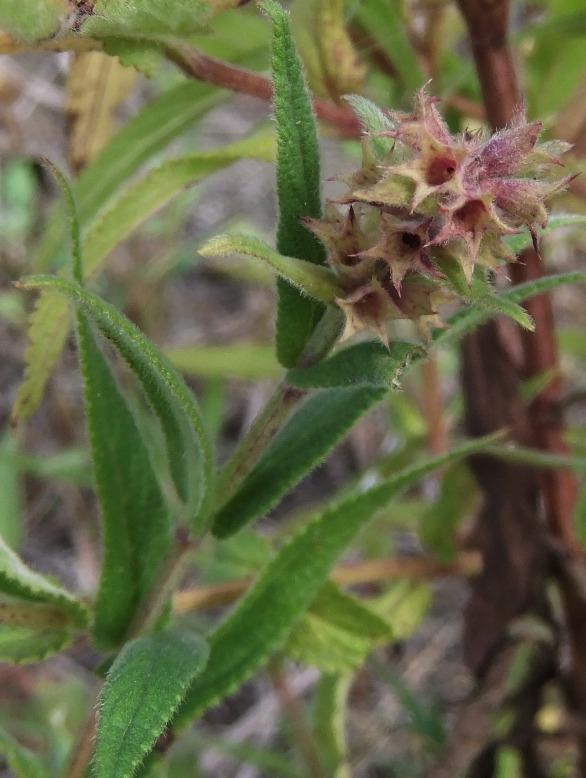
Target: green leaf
135 523
509 763
425 720
157 124
469 318
11 502
33 22
374 121
246 361
48 329
336 632
23 762
481 293
144 687
300 445
142 198
329 716
554 222
143 136
298 185
262 619
18 580
188 447
367 364
532 456
441 519
404 605
314 281
148 19
22 644
386 24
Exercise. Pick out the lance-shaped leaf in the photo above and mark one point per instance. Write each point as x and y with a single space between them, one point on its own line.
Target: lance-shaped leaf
157 124
24 763
22 644
479 292
144 687
136 203
263 618
18 580
188 447
144 135
471 317
389 29
368 364
298 185
329 722
134 518
312 280
247 361
300 445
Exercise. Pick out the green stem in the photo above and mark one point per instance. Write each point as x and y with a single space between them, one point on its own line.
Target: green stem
302 734
270 419
170 573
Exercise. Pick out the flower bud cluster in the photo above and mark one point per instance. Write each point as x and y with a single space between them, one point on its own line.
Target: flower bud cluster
433 196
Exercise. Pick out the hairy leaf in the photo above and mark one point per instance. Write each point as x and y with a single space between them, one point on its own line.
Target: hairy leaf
314 281
142 198
471 317
152 129
481 293
157 124
188 447
368 364
290 582
135 523
18 580
300 445
144 687
248 361
298 185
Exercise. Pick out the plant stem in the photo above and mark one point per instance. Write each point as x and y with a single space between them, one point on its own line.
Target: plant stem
269 420
170 573
252 445
196 64
370 571
302 734
83 748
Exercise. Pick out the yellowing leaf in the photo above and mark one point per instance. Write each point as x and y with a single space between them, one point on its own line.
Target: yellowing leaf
97 84
331 62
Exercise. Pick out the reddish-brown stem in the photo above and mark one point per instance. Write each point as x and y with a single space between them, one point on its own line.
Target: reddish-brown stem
437 441
487 26
196 64
540 353
488 23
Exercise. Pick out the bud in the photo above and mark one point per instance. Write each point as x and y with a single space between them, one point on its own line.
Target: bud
432 195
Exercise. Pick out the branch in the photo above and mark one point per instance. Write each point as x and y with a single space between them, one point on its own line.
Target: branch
370 571
196 64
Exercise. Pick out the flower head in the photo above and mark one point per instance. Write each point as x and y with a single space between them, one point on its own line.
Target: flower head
433 195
